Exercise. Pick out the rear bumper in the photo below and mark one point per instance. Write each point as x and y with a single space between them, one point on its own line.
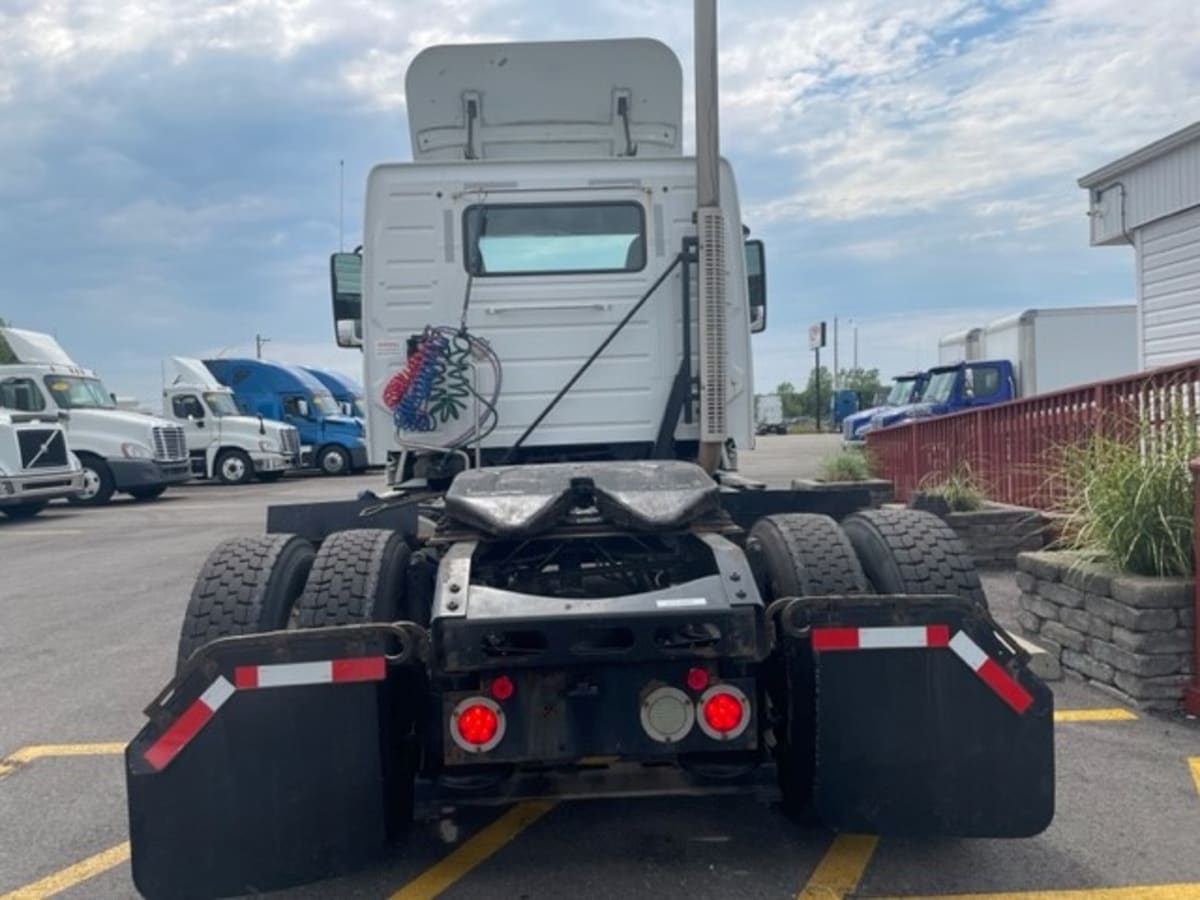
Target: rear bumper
20 489
139 473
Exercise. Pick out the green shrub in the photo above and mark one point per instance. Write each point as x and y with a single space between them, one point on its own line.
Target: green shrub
959 489
1129 500
849 465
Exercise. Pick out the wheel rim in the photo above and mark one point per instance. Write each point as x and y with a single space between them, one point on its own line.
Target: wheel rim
91 484
332 462
233 469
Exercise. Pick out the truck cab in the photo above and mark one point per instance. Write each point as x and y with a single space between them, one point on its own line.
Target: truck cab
224 444
119 451
329 441
36 465
964 385
346 391
547 242
906 390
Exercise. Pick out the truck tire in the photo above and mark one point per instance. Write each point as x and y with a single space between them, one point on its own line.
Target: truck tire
23 510
358 576
98 484
803 555
233 467
333 460
798 555
247 586
906 551
147 493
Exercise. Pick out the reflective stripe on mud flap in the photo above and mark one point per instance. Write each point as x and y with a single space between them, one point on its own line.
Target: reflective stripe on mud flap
197 715
927 636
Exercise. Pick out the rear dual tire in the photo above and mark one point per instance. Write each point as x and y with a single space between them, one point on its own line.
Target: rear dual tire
247 586
899 551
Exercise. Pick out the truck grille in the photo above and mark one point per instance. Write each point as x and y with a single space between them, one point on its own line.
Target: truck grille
170 443
32 440
291 441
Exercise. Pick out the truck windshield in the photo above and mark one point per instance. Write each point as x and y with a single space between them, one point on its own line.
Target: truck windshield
554 238
326 405
941 386
901 392
220 404
77 392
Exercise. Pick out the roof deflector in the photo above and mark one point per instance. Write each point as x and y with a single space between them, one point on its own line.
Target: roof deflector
545 100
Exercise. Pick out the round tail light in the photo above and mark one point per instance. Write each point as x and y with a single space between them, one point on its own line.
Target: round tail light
724 712
477 724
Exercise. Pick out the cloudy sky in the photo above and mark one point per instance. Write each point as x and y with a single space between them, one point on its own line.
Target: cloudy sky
169 168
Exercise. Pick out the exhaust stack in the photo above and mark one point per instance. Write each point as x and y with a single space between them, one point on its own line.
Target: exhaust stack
710 232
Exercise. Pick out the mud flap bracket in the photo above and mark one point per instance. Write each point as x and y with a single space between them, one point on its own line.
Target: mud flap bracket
271 760
924 720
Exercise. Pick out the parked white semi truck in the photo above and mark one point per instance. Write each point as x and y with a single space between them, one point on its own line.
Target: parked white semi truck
119 451
36 465
569 596
222 443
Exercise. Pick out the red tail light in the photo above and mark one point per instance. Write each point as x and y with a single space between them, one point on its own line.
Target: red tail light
502 687
697 678
477 724
724 712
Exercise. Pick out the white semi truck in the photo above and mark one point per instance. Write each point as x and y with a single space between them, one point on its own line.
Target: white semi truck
36 465
768 414
562 592
222 443
119 451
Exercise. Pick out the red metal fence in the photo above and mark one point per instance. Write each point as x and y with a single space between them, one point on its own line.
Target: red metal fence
1012 451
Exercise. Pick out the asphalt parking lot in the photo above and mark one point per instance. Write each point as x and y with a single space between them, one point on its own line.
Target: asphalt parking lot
90 606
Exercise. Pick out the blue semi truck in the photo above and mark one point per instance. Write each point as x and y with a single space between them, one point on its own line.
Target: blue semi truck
346 391
330 441
906 389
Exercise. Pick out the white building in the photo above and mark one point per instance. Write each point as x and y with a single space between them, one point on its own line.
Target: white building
1150 200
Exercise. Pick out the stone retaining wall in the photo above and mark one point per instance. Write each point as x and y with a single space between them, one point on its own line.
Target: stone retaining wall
997 533
1128 634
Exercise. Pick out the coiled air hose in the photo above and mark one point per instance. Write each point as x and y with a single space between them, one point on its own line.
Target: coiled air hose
436 386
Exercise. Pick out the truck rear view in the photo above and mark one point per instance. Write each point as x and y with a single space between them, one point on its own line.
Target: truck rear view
561 596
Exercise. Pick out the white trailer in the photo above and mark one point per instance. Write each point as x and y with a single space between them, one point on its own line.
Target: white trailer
961 346
222 443
768 414
1058 348
120 451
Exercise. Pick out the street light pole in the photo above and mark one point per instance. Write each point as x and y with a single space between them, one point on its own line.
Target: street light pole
259 340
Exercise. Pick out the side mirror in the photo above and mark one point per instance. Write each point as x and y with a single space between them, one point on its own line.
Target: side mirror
756 285
345 275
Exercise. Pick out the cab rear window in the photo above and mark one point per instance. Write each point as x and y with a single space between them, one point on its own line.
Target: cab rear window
554 238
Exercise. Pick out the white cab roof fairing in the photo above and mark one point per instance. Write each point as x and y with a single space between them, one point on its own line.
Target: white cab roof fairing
34 347
545 100
194 374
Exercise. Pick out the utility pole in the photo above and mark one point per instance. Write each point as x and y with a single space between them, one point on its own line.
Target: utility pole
856 345
817 382
836 342
259 340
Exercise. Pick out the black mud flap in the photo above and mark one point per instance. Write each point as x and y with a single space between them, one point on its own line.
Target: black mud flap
274 760
922 714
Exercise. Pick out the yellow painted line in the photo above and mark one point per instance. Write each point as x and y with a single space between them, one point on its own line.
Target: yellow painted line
839 871
1194 765
475 850
25 755
1114 714
1133 892
71 875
